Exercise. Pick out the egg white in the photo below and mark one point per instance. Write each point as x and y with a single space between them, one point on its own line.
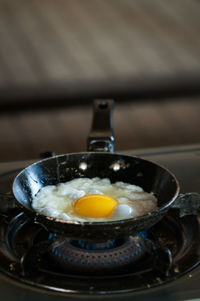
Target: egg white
57 200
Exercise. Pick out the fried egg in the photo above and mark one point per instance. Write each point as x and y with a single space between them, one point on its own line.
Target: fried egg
93 200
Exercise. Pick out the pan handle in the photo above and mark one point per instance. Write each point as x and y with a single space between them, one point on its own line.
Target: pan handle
101 138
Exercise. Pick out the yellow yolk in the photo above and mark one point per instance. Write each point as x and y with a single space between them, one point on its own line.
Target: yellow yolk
95 205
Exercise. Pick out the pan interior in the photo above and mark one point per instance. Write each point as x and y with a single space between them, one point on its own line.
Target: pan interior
116 167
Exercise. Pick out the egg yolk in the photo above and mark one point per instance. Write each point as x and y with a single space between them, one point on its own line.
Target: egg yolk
95 205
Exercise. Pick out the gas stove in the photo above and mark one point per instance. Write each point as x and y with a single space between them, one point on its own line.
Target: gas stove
162 262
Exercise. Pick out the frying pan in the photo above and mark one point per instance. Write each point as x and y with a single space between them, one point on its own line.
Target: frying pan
99 161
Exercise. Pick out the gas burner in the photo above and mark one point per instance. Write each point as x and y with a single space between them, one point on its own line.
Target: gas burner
89 258
31 255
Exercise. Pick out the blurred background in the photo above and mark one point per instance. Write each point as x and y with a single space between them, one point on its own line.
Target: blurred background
56 56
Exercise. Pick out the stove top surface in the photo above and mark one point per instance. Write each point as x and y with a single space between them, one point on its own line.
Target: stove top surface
185 163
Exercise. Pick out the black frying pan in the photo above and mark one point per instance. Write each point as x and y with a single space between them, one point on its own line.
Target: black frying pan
102 162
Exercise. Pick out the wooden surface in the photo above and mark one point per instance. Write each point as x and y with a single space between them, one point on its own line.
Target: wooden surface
136 125
69 48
